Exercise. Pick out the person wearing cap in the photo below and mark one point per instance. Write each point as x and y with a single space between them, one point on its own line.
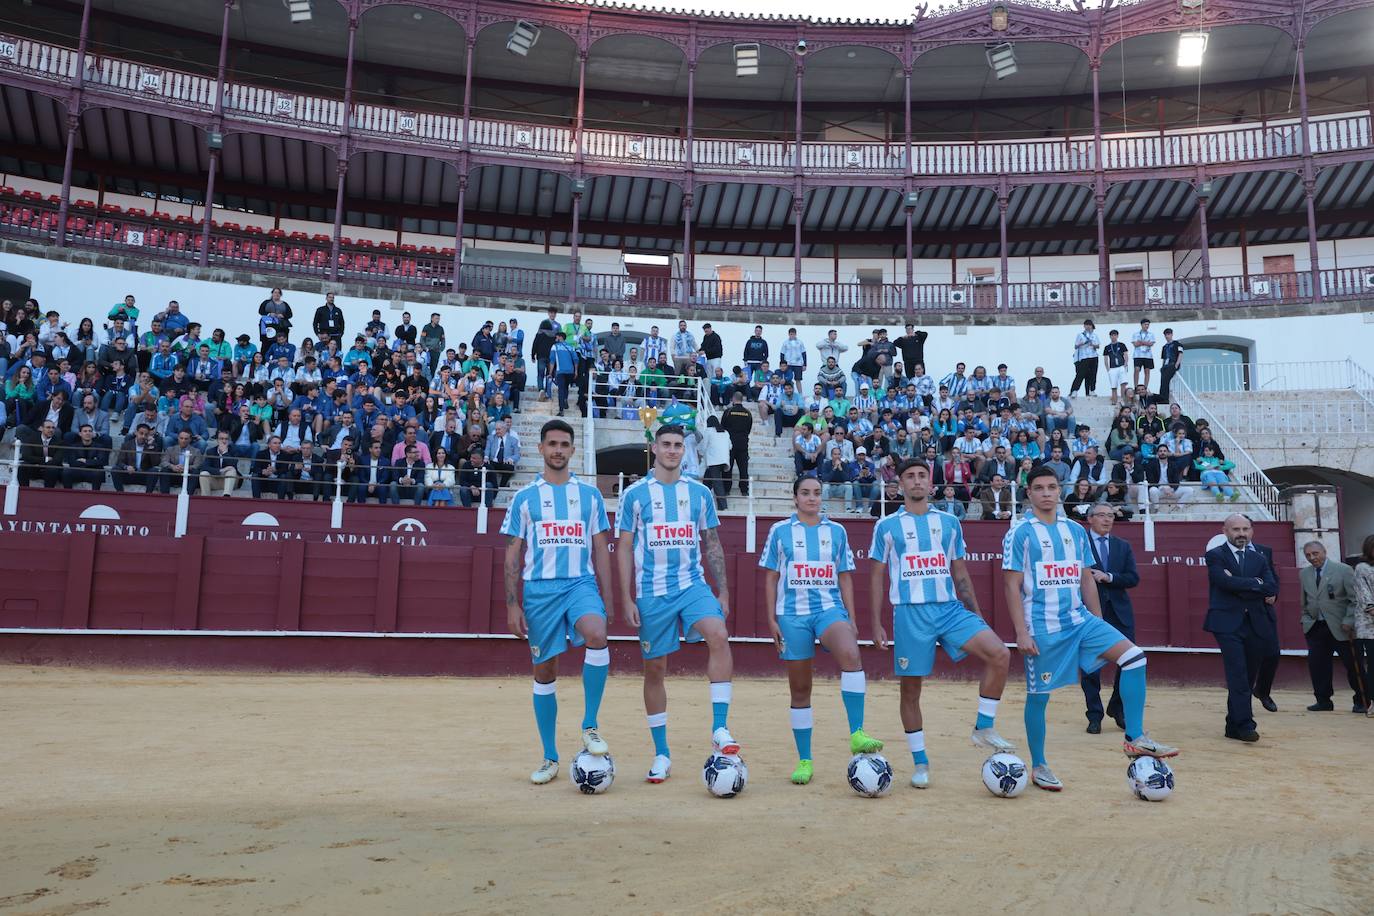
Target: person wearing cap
244 348
1085 359
865 403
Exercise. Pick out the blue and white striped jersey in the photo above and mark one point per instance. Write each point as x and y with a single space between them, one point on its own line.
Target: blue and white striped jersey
668 520
918 550
1051 559
557 523
808 560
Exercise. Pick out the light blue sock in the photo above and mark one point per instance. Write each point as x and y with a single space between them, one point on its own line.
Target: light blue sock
596 665
1133 698
987 712
720 703
802 721
546 716
853 687
916 743
658 728
1035 726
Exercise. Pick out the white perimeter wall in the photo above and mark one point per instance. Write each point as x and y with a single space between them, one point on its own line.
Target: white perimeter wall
79 290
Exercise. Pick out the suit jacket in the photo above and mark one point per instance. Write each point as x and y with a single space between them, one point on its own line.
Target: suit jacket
37 411
1120 565
1235 590
512 456
991 504
1007 468
216 463
1333 600
152 456
362 470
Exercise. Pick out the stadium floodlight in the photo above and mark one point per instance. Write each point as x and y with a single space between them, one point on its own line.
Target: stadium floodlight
1002 60
300 10
522 38
747 59
1191 47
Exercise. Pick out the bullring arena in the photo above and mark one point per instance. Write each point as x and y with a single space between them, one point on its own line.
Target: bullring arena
281 284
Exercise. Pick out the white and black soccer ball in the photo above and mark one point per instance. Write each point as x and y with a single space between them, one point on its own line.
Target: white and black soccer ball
592 774
1150 779
725 775
1005 775
870 775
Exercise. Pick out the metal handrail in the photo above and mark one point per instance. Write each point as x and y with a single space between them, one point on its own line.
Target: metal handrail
1266 492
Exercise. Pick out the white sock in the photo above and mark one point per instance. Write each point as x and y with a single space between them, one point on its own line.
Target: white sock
988 706
853 682
720 691
916 741
657 719
545 689
802 718
598 658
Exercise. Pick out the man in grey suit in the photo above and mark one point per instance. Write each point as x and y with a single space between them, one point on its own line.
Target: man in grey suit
1328 622
1113 569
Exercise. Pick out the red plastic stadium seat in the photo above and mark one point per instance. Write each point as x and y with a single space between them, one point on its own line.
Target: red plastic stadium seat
30 195
300 236
276 233
317 237
445 252
428 249
253 230
83 204
364 243
137 211
54 199
111 208
7 190
183 218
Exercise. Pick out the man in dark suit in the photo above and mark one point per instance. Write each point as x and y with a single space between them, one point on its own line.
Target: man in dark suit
1239 579
371 476
1269 664
1114 571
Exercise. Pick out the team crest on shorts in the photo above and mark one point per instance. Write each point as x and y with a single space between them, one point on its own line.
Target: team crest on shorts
534 650
1046 676
644 644
902 663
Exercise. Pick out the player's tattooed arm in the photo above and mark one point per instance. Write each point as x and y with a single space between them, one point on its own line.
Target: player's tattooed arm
963 586
714 555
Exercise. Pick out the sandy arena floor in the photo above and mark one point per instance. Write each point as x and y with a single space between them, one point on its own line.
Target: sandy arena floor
158 793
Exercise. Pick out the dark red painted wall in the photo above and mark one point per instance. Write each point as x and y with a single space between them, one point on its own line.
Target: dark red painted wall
62 571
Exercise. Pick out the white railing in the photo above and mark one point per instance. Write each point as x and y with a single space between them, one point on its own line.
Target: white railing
1321 375
1176 148
1248 472
1351 416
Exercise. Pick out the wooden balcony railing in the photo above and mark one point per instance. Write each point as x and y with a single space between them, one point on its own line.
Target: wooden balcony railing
33 217
258 105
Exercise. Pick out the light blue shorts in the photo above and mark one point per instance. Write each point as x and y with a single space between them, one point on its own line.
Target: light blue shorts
663 617
1063 655
552 609
800 632
917 628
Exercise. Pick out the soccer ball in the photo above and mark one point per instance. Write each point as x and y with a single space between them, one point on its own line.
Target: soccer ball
592 774
1150 779
1005 775
870 775
725 775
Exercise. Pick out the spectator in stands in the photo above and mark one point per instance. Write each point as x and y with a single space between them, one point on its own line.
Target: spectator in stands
433 339
563 360
1057 464
219 467
187 419
806 450
502 453
1213 472
1170 361
1080 499
1090 466
948 502
1122 439
794 351
787 410
836 477
1085 360
55 408
1058 412
865 483
996 499
712 348
181 455
308 474
89 412
443 480
997 463
272 471
1180 452
409 439
275 306
958 473
41 457
136 462
1143 353
473 487
716 458
1131 475
870 370
1082 440
371 476
408 475
684 347
85 460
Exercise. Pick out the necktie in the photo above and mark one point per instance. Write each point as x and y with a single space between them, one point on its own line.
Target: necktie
1103 551
1240 560
1319 575
500 450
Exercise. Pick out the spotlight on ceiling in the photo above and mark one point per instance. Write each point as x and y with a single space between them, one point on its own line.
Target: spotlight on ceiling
747 59
1191 47
300 10
1002 60
522 38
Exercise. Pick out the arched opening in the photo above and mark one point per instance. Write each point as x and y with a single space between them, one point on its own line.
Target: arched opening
536 88
636 83
1218 363
758 107
390 44
835 78
1356 498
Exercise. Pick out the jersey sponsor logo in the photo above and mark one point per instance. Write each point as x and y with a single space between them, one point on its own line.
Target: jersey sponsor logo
805 574
670 535
560 533
918 567
1058 574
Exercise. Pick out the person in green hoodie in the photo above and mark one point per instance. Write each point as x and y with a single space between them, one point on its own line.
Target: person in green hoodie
1212 471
